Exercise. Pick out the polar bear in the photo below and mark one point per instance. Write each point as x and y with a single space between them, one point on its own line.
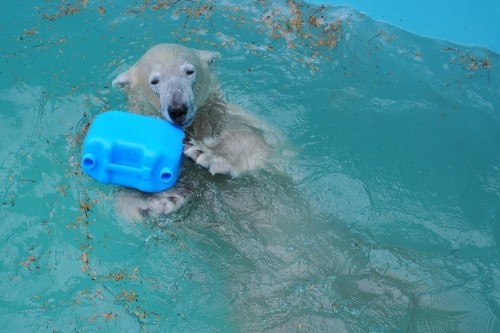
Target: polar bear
177 83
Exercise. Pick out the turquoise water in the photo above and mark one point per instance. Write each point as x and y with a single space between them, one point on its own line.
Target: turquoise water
385 219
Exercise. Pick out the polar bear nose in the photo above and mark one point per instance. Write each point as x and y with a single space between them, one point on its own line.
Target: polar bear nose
177 112
177 109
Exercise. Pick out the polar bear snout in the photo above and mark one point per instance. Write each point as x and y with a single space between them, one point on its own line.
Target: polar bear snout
178 109
177 105
176 98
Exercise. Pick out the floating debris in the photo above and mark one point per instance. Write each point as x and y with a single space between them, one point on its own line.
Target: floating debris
468 61
28 262
85 260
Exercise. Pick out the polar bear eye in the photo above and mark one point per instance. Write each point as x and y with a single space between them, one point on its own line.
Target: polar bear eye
188 69
154 78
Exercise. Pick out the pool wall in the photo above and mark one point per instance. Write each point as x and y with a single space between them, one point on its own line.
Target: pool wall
460 21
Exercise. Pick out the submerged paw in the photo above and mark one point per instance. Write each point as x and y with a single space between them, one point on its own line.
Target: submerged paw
203 156
193 149
136 206
216 164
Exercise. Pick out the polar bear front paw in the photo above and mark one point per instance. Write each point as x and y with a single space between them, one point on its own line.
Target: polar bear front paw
204 156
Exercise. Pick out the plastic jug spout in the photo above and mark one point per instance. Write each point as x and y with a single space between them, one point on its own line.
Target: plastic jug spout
88 161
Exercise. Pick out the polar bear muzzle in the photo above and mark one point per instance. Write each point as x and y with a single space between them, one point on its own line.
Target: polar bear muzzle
177 110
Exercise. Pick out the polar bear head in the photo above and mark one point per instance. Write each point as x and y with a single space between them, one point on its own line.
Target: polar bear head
170 80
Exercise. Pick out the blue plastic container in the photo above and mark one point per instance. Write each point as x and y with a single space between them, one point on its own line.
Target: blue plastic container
132 150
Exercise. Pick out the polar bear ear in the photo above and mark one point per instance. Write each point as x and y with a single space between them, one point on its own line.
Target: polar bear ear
124 79
208 57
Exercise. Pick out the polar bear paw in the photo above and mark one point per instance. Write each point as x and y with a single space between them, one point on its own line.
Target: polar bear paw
202 155
137 206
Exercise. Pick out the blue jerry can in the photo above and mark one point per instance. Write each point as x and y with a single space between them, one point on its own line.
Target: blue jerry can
132 150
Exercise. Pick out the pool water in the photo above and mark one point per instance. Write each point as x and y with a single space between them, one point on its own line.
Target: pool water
382 215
